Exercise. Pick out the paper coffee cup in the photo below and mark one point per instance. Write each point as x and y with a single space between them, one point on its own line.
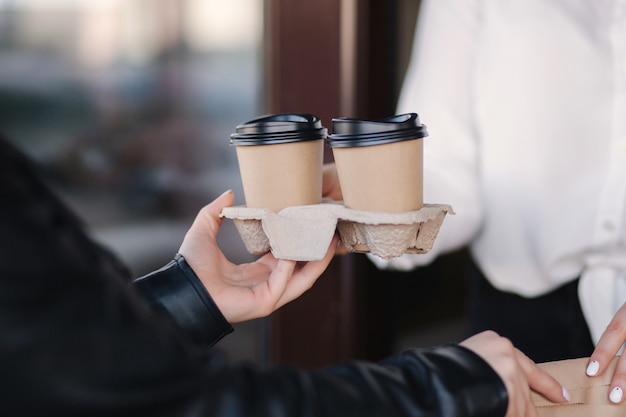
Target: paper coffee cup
380 162
280 160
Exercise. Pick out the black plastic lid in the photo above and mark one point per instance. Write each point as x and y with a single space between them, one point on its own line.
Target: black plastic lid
279 128
348 132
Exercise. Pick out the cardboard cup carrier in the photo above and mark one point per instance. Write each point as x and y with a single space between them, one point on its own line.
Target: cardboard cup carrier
379 164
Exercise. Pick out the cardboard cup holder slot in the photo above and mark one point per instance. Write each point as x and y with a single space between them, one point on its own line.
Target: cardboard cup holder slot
303 233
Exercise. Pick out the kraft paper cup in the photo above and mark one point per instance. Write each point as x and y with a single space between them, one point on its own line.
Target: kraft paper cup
380 162
280 160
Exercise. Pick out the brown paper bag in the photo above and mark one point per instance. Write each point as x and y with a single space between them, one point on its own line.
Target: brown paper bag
590 395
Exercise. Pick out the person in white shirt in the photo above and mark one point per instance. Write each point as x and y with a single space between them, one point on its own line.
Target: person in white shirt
525 103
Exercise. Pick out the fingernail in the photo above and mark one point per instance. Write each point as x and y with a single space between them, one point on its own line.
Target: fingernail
566 395
616 395
592 368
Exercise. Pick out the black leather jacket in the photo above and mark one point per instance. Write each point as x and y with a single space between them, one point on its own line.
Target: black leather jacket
77 339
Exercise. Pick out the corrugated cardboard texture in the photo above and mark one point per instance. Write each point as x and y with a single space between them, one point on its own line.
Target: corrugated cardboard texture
303 233
590 395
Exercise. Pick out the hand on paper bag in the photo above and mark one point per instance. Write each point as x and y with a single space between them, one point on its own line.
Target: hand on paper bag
251 290
608 346
517 371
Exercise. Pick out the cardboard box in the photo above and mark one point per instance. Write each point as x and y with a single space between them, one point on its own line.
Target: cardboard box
303 233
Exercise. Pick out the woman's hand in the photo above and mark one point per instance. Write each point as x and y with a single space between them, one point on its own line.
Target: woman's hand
330 182
251 290
608 346
517 371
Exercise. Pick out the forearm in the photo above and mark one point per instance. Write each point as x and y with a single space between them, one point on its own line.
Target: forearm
442 381
445 381
448 380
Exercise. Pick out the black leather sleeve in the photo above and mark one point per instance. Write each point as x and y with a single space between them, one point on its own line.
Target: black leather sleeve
441 381
446 381
78 340
176 290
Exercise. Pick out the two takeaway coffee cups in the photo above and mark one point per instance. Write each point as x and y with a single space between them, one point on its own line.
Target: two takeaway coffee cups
379 162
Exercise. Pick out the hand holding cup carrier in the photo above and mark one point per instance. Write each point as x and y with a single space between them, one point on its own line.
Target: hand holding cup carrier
379 168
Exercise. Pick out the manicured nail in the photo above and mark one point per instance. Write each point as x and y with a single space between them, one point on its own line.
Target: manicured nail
593 368
616 395
566 395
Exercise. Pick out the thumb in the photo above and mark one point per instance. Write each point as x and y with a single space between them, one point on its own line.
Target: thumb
226 199
211 212
208 220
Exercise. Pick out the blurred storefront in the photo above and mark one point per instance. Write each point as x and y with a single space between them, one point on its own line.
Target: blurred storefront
129 106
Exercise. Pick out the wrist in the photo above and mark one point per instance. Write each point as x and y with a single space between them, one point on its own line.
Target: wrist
177 290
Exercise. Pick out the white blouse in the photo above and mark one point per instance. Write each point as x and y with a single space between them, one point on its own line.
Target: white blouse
525 104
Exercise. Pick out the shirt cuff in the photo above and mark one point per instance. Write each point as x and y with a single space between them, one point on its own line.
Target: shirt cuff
177 290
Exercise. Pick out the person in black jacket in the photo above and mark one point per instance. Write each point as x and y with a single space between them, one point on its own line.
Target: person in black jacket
80 337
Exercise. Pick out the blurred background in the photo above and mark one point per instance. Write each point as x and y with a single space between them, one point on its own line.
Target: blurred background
129 106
